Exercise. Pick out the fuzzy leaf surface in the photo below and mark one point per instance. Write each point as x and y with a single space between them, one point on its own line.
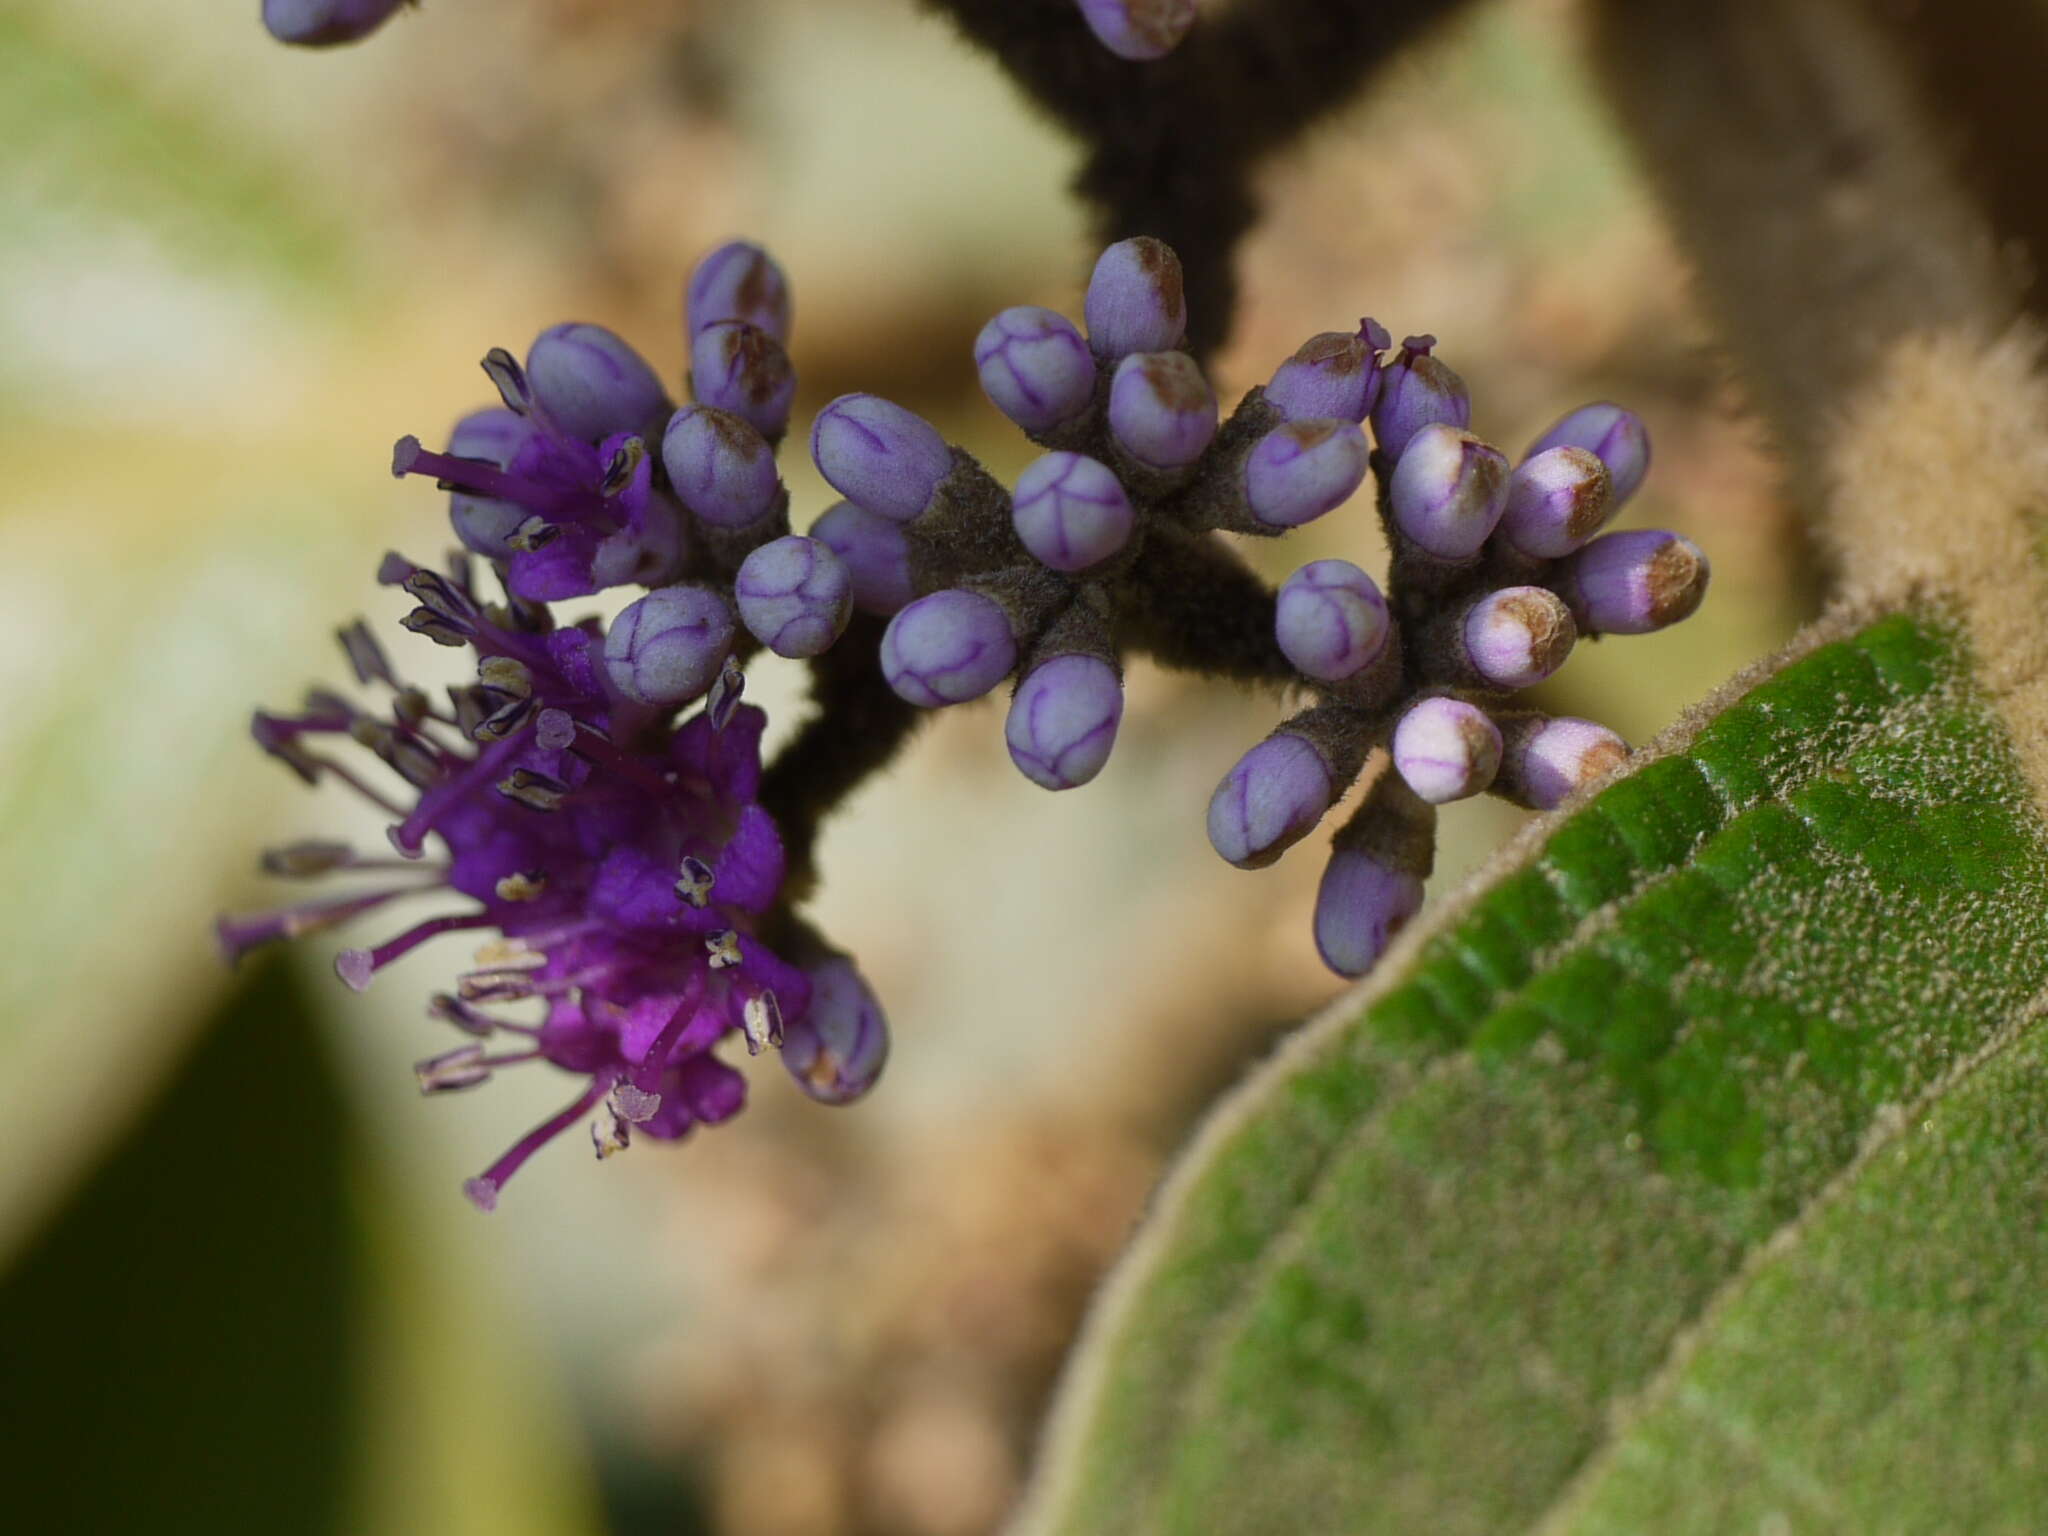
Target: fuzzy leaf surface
1420 1269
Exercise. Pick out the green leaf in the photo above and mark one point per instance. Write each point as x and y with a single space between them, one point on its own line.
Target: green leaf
1412 1275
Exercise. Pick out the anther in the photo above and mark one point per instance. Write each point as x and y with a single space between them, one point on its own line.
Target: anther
724 948
694 883
522 885
452 1071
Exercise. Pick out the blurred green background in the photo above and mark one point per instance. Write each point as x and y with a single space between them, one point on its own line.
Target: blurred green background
239 1289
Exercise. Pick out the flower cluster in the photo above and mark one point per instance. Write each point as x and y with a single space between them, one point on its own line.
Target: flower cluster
1105 545
630 882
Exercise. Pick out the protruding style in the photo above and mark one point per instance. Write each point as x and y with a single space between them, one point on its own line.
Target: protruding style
1417 390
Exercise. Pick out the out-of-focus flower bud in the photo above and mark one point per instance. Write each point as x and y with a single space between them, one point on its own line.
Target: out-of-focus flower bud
837 1049
738 281
592 384
741 368
321 23
1139 30
1270 800
485 524
875 553
1360 905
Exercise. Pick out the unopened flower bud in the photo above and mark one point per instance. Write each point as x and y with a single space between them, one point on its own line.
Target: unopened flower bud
879 455
837 1049
1633 582
1547 759
1446 749
795 595
485 524
1360 905
1269 801
591 383
947 648
1139 29
1416 391
874 551
666 648
1135 299
1333 376
738 281
1035 367
740 368
1071 511
1063 721
1296 473
1448 490
1330 620
1161 409
1556 501
321 23
722 469
1617 436
1517 636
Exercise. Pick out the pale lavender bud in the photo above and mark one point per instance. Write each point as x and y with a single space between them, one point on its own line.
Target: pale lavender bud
1616 435
1446 749
837 1049
1139 30
722 469
1071 511
1135 300
1557 500
320 23
740 368
1269 801
1296 473
876 453
1161 410
795 595
1416 390
1549 759
1333 376
1361 904
738 281
484 523
1517 636
875 552
947 648
1330 620
1063 720
1633 582
1448 490
666 648
1035 367
591 383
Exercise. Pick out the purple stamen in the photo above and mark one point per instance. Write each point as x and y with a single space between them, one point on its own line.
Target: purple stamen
483 1191
356 966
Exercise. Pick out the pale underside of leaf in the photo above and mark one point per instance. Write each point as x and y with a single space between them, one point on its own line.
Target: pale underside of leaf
1407 1278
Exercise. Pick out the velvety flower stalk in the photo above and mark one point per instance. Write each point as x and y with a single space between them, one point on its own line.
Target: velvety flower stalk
323 23
1140 30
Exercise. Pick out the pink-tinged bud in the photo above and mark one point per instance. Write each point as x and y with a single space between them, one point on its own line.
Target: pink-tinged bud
1139 30
1634 582
1446 750
1617 436
1296 473
1556 501
1162 411
1035 367
1135 300
1546 761
738 281
1071 511
1517 636
1416 391
1063 721
1448 491
1269 801
1330 620
1361 905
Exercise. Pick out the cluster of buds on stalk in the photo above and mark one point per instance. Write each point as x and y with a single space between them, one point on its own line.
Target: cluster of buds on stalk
1106 545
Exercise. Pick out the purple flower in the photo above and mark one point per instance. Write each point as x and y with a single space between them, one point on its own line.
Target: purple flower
1035 367
1446 749
1416 391
1269 801
1162 412
794 595
1135 301
1298 472
618 869
1071 511
1139 30
591 384
738 281
1063 721
1360 905
874 452
321 23
1331 620
947 648
1617 436
875 552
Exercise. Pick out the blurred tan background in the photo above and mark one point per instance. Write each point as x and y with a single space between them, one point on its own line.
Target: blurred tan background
231 274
